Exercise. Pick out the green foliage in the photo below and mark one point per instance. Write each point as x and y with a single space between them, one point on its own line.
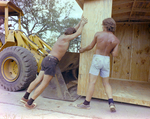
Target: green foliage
47 18
42 15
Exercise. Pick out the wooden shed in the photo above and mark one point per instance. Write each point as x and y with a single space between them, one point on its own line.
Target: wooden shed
130 70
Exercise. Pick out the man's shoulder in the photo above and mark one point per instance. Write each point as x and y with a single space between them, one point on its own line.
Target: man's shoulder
101 34
98 34
64 38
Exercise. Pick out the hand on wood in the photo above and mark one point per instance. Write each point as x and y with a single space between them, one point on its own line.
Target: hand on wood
81 50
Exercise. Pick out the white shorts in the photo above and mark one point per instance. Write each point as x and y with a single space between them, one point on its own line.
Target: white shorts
100 64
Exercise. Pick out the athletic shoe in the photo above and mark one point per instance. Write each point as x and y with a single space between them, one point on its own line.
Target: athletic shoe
23 100
30 106
112 107
82 106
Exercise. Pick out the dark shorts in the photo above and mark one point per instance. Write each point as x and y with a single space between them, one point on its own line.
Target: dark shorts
49 65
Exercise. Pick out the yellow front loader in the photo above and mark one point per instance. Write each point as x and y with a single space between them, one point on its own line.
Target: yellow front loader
21 57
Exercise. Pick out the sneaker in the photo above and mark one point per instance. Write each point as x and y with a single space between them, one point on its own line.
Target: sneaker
23 100
30 106
112 107
82 106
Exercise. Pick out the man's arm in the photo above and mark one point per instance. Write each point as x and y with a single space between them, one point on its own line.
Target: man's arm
89 47
78 32
78 25
115 50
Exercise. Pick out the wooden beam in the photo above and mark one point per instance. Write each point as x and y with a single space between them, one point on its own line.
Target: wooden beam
80 3
132 9
125 10
141 10
132 22
140 17
120 11
124 16
121 3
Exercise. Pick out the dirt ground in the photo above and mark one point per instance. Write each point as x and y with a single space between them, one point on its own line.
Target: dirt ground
12 108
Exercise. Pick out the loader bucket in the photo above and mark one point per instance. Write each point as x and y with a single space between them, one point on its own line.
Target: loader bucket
64 85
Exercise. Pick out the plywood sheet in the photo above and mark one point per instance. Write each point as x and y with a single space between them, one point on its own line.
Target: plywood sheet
140 53
121 63
94 11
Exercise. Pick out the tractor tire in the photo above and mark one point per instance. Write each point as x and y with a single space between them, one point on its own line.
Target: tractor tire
18 68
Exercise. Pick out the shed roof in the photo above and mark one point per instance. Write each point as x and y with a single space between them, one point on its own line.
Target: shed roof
128 10
13 9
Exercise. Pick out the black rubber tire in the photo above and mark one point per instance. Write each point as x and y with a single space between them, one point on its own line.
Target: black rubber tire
18 68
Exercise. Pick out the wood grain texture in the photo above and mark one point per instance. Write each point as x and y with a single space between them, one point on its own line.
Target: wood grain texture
130 71
131 92
140 53
127 10
121 63
94 11
133 60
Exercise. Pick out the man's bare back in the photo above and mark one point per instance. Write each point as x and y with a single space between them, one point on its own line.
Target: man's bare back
105 43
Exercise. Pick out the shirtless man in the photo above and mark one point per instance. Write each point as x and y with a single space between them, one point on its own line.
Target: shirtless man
49 63
106 43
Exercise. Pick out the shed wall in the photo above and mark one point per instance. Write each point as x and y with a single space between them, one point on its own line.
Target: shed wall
133 60
130 70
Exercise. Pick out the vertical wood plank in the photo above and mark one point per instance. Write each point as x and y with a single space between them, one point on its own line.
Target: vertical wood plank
96 12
